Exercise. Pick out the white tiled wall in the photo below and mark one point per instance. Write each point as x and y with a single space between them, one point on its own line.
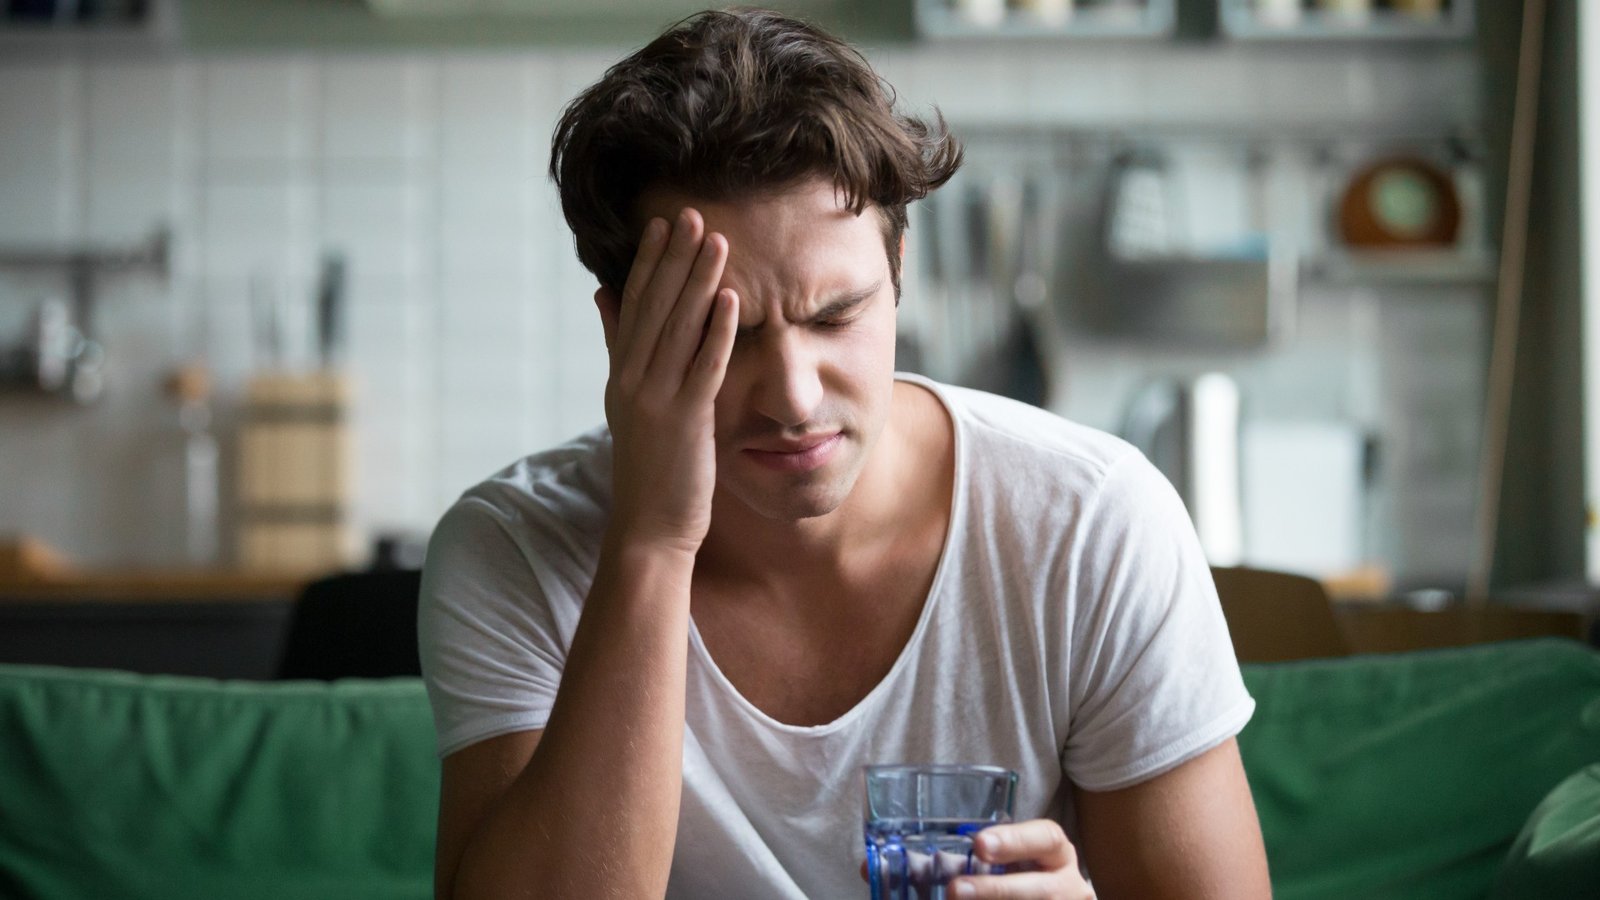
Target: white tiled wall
470 326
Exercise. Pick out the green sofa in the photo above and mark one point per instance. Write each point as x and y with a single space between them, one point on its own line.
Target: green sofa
1445 774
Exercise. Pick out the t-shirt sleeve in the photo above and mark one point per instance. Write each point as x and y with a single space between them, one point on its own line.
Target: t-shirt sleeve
487 632
1155 680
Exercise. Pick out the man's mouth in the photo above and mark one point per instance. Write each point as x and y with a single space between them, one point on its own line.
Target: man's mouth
798 454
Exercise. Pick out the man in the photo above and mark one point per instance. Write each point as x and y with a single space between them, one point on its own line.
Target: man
659 654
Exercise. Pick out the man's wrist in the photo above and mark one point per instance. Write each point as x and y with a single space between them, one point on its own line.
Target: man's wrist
647 556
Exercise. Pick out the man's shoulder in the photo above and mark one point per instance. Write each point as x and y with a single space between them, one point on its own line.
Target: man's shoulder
568 485
1002 432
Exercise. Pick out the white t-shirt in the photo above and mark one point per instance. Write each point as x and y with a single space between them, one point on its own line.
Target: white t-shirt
1072 633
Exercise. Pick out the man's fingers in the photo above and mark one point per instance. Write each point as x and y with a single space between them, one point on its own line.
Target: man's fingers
652 244
660 295
1038 840
711 363
1020 886
686 328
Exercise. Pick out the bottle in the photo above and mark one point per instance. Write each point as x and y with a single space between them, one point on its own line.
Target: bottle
191 387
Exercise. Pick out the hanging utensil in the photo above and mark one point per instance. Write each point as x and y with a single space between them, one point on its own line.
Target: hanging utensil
1004 200
935 298
977 288
1029 378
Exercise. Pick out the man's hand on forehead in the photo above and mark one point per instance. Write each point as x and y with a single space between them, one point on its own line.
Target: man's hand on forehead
669 334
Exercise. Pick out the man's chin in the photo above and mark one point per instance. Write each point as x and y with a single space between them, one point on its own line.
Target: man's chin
792 503
796 505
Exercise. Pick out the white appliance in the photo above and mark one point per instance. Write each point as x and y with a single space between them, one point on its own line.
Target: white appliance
1303 496
1189 428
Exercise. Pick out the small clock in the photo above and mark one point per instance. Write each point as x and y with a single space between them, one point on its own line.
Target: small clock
1398 203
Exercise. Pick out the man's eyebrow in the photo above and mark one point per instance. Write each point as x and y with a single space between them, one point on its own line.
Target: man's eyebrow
843 303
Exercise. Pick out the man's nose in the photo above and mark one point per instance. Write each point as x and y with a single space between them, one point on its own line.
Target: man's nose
790 386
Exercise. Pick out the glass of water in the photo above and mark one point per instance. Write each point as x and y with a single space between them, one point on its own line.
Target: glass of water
920 821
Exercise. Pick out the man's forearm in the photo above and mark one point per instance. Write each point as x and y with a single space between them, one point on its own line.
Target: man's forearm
595 812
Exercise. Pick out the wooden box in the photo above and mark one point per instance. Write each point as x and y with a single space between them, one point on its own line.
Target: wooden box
294 473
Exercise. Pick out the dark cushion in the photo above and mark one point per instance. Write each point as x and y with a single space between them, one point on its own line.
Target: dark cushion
354 625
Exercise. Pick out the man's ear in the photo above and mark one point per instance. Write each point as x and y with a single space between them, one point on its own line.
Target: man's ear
610 307
902 269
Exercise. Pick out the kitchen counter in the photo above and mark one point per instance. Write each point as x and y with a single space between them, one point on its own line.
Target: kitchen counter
1390 627
31 570
148 585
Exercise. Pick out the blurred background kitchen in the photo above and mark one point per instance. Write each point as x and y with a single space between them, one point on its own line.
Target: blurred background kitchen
279 280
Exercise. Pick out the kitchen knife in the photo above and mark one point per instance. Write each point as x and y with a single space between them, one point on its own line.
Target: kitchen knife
330 309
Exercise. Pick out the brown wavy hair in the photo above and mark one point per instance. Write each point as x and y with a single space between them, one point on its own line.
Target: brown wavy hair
737 102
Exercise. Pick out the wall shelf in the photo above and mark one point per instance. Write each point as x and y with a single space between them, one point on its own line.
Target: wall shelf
1248 20
62 356
1087 19
1401 267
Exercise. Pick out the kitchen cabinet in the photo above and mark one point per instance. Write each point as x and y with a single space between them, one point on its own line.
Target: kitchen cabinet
1346 19
210 637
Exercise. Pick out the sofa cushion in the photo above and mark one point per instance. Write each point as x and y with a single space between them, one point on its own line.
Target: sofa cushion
1392 776
130 786
1409 775
1557 855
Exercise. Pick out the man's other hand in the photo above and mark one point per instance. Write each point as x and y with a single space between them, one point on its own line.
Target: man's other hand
1044 865
1038 845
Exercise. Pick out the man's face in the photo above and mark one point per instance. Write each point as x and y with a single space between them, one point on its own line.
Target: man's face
808 386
